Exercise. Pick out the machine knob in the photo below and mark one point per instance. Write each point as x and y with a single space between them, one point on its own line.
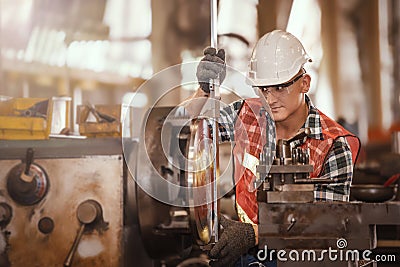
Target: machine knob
89 212
46 225
5 213
27 183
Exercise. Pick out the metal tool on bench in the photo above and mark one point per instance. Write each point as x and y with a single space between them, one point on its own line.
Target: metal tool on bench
100 117
288 178
39 109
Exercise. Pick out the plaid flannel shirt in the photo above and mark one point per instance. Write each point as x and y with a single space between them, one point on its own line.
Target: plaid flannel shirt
339 160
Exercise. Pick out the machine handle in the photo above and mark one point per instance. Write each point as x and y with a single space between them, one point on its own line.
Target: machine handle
26 176
68 260
292 223
29 160
88 212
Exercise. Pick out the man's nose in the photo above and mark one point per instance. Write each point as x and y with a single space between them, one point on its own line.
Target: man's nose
270 97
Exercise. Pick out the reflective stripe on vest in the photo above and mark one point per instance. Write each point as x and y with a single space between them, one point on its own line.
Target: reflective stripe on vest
248 146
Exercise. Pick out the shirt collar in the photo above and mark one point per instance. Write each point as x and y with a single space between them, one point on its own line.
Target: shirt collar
313 121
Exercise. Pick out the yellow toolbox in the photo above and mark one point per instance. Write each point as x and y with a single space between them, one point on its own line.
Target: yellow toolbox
25 118
105 120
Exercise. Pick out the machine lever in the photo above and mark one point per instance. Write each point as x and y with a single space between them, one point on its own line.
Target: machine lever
29 160
88 212
26 175
68 260
292 223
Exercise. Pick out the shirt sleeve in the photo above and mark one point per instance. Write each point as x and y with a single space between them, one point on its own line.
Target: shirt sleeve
227 119
338 167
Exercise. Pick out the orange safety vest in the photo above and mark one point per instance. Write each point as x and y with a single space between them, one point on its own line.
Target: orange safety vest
249 143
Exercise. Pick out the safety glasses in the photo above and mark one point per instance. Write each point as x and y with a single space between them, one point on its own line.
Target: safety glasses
280 89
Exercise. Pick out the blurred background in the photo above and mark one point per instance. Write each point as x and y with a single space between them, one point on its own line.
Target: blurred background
92 57
103 50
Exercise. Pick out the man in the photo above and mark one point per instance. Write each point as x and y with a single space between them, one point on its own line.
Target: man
277 71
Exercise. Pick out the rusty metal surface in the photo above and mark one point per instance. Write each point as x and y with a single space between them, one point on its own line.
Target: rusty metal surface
285 168
289 196
72 181
320 225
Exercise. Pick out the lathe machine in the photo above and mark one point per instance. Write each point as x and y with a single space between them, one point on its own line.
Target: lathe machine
97 202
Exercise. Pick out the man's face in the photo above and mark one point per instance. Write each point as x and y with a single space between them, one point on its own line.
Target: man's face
286 99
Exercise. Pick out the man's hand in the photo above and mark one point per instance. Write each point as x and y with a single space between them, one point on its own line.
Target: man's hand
210 66
236 239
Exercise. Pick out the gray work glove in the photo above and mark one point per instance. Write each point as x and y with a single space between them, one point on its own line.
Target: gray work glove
236 239
210 66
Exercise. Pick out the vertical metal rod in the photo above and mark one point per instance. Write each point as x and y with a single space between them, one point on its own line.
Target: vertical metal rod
214 93
215 182
214 12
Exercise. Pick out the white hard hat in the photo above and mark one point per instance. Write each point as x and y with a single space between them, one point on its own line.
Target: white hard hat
276 58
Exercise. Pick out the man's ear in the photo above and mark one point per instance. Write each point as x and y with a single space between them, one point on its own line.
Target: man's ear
305 83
